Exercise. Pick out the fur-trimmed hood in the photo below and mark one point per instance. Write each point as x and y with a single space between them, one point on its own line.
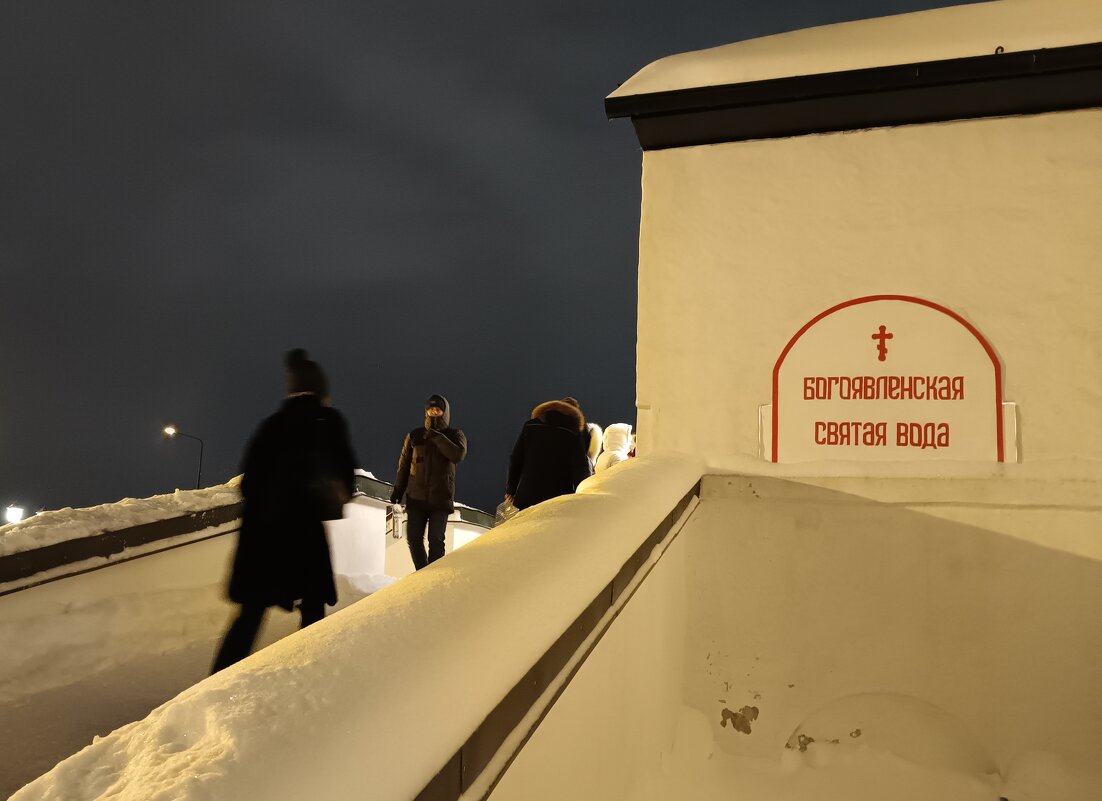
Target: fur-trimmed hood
553 413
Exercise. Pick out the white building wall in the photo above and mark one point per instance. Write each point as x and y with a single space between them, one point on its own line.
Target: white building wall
974 596
743 243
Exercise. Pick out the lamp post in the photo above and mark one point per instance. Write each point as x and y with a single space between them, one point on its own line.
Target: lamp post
172 432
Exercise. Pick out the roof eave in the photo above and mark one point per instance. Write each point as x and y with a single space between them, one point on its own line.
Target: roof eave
1000 84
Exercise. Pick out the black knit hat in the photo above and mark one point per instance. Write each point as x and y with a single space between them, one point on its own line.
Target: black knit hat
304 375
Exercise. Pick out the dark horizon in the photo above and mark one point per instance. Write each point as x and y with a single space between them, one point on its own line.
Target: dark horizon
427 205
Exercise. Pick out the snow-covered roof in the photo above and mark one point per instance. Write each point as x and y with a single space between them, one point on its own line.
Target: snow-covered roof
940 34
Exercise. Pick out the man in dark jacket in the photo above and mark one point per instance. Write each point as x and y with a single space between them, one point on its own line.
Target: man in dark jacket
298 471
548 459
426 479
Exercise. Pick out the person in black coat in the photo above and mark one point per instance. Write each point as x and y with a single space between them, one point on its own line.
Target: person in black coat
298 471
426 479
548 458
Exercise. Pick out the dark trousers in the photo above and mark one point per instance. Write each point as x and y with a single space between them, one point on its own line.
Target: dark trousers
417 517
241 636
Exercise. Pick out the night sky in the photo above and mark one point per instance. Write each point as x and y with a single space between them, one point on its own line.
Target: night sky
426 196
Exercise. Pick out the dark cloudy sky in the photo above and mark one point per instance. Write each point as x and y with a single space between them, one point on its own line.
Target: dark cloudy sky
426 196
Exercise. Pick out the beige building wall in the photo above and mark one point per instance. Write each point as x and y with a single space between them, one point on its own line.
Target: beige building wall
743 243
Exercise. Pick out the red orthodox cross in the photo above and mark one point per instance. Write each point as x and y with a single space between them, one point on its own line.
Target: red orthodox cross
883 337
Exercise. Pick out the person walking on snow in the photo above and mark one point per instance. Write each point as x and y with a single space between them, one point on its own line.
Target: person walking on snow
617 446
426 479
298 471
548 458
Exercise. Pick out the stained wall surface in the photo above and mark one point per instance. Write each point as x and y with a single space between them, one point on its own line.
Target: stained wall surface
978 598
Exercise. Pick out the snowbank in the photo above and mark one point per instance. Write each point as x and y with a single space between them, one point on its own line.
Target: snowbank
380 695
62 525
944 33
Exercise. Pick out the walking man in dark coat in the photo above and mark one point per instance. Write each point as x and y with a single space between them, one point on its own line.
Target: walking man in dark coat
426 479
298 471
548 458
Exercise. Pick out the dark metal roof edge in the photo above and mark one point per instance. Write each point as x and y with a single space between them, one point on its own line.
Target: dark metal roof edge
871 79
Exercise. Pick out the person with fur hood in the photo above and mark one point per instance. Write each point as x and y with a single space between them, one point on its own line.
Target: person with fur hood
426 480
617 446
548 459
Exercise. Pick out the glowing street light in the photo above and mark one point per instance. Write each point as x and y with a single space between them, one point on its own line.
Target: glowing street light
13 514
172 432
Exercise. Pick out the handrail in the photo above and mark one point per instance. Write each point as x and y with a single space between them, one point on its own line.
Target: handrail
381 490
25 564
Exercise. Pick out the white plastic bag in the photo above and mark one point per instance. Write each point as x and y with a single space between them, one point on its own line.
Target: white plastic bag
505 510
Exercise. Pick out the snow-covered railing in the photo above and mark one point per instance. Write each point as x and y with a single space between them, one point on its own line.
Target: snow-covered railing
66 542
414 691
489 750
53 545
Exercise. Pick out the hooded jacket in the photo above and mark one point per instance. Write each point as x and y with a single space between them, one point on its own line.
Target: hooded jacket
548 458
617 445
426 467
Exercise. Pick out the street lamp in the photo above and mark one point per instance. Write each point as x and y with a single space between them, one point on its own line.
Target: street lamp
171 432
13 514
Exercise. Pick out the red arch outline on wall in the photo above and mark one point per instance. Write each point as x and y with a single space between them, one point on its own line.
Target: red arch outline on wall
906 299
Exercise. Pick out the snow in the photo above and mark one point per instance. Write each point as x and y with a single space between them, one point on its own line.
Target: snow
331 711
945 33
501 760
62 525
100 649
324 712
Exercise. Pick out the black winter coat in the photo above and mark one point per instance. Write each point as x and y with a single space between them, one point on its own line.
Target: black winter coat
282 553
426 466
548 459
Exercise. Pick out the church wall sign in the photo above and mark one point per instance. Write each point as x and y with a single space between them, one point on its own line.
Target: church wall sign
886 378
